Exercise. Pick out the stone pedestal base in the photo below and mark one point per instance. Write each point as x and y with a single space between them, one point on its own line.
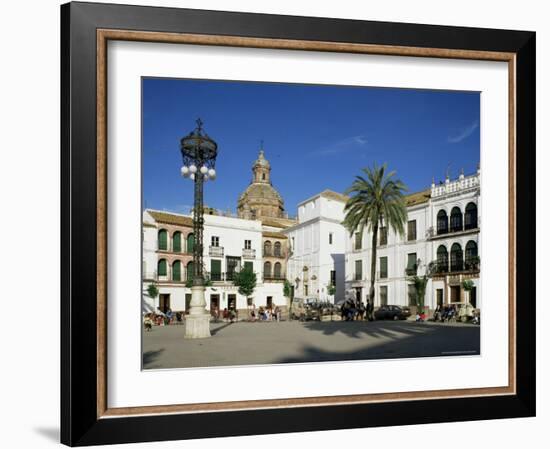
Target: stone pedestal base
197 326
197 323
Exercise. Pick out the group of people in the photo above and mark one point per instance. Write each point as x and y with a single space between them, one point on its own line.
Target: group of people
445 313
265 314
160 318
352 310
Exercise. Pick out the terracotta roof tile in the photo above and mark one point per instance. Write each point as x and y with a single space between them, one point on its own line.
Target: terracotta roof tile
167 218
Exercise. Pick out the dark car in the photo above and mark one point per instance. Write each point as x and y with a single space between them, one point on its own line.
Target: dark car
392 313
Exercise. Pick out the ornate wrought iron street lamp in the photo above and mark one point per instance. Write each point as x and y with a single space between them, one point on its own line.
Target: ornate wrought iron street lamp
199 153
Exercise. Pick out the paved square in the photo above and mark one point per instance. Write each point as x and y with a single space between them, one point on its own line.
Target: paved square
246 343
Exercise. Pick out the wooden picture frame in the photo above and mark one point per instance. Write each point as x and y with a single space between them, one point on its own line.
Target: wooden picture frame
86 29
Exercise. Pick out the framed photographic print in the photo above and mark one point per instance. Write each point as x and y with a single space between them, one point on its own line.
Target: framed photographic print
312 223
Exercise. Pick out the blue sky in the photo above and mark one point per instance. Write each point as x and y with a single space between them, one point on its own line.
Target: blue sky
316 137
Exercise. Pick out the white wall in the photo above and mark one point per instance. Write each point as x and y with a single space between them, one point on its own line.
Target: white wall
30 106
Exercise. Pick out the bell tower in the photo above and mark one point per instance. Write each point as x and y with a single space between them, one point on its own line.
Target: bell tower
261 168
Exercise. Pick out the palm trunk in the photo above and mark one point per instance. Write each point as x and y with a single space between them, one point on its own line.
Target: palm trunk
373 263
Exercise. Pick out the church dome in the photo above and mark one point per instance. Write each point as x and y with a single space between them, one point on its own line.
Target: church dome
261 199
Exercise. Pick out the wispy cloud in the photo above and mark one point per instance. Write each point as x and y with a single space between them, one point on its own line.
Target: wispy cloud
465 132
341 146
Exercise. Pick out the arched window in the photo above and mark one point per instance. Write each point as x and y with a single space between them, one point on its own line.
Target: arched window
442 259
190 242
190 269
471 259
163 240
162 268
456 257
456 220
277 249
277 270
267 248
176 271
442 222
470 216
267 270
176 242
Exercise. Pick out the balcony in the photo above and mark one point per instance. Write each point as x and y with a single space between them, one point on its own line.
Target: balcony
216 251
279 254
274 277
249 253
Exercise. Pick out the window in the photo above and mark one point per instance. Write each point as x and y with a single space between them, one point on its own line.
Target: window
176 271
267 270
456 257
442 259
215 241
248 244
411 264
293 243
411 230
471 255
306 290
233 264
190 242
163 240
267 248
190 268
384 267
277 249
333 278
383 236
330 238
215 269
263 176
176 242
162 268
456 220
411 291
358 238
470 216
277 270
383 295
442 222
358 270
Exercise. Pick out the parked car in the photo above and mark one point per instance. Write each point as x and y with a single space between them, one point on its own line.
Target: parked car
305 310
392 313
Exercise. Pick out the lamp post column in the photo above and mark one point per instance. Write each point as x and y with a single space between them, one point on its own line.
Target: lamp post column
199 151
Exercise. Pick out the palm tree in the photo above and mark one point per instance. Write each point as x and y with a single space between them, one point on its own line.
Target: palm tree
376 200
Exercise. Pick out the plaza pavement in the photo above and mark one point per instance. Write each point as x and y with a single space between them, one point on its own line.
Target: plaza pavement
245 343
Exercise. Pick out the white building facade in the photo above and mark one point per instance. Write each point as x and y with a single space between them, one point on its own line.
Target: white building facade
442 234
230 244
315 267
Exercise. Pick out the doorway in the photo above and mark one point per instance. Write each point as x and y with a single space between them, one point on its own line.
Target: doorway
232 302
214 304
358 294
455 293
164 302
473 297
439 293
269 302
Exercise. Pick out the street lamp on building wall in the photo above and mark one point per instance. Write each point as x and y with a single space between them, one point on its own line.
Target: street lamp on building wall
199 153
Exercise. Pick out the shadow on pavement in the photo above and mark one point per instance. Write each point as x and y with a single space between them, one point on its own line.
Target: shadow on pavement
375 329
417 344
150 357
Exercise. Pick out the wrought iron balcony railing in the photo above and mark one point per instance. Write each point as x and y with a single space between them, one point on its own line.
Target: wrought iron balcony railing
216 251
249 253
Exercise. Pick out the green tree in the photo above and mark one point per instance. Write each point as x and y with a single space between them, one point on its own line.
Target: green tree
468 286
245 279
152 291
331 289
420 284
376 199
